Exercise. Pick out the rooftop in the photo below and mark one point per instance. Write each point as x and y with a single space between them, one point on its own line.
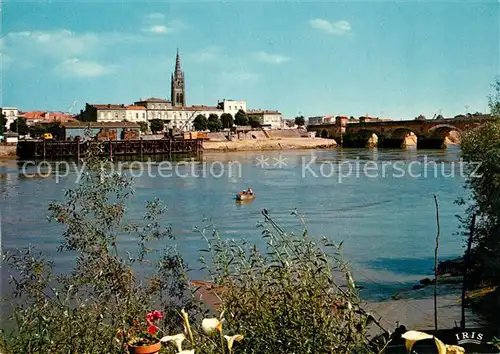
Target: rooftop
155 99
107 106
262 111
79 124
134 107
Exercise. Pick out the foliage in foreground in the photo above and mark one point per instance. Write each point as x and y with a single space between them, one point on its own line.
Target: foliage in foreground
481 148
81 311
294 295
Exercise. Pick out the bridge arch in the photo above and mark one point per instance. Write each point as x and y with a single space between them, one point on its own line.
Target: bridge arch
401 133
371 137
324 133
443 130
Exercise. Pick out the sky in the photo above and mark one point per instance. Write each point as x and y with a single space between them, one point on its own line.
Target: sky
390 59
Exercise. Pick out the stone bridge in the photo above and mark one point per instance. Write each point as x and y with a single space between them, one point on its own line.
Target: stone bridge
430 133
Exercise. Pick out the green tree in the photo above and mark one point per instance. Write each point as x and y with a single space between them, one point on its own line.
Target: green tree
300 121
37 130
200 122
144 127
214 124
227 120
21 124
3 123
481 153
494 99
156 125
241 118
254 122
55 129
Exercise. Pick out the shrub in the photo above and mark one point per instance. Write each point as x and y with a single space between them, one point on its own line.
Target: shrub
287 297
82 311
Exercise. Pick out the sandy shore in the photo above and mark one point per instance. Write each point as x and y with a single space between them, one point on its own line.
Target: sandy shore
269 144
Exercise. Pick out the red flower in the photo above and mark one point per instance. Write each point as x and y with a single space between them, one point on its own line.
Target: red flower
152 329
154 316
157 315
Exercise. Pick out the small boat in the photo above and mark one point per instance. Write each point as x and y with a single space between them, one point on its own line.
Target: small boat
244 196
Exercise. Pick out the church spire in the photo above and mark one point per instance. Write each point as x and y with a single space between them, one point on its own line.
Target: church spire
178 89
177 64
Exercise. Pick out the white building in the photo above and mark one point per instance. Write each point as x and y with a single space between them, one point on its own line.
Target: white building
135 113
269 119
103 113
156 107
182 117
231 106
11 113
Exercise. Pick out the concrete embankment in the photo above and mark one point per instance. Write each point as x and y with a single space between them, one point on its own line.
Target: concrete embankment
269 144
257 140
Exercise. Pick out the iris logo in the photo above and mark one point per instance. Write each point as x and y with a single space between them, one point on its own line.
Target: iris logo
469 337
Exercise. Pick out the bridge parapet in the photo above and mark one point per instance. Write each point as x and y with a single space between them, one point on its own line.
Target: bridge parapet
393 132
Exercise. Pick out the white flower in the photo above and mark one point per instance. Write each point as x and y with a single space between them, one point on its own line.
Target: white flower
448 349
209 325
177 339
412 336
232 339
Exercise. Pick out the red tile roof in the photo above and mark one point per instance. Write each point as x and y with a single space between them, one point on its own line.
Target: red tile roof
48 116
135 107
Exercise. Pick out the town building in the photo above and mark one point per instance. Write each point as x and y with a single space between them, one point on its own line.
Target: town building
45 117
11 114
174 112
267 118
231 106
103 113
135 113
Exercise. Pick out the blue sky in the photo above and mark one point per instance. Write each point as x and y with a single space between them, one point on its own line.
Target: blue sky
391 59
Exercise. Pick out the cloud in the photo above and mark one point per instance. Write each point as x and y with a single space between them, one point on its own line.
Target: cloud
154 16
271 58
158 29
82 69
170 27
339 27
59 43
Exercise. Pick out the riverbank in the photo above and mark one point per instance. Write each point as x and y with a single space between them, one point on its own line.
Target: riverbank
269 144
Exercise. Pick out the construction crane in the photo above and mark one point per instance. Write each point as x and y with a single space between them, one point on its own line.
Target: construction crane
70 109
188 120
181 129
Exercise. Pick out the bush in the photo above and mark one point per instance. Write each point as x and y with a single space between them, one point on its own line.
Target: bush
81 312
287 297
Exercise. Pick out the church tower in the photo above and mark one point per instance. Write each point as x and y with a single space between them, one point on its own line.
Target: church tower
178 90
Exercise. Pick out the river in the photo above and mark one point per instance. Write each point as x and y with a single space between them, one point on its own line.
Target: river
380 203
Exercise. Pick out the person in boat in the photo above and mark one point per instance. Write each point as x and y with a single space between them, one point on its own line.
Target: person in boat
249 191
